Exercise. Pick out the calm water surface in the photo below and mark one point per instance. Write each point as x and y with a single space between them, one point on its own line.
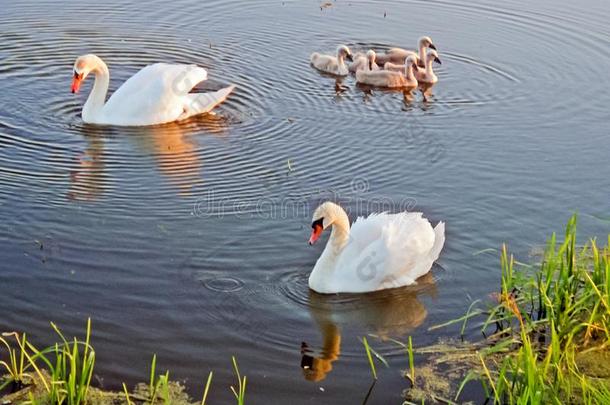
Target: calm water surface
189 240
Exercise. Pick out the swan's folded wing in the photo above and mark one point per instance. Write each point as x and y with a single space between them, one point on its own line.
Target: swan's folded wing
409 239
365 255
388 251
177 80
365 231
155 93
199 103
439 240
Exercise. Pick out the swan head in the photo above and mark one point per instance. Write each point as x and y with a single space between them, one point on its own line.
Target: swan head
371 56
432 56
426 42
343 51
82 67
322 218
413 61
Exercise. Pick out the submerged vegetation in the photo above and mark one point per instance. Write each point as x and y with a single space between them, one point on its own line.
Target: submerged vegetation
546 340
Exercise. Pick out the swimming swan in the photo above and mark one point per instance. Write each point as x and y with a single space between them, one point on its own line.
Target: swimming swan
404 77
378 252
332 64
157 94
399 55
362 59
427 75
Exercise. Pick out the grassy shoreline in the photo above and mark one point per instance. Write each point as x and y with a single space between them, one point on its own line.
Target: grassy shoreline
545 339
545 334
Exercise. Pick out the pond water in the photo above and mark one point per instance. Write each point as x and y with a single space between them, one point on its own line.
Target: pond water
190 240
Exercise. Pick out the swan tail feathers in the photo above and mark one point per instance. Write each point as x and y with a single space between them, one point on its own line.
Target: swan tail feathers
199 103
439 240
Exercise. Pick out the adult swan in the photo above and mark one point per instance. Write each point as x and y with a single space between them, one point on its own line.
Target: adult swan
378 252
157 94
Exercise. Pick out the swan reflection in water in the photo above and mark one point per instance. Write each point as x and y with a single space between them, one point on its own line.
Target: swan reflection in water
87 180
173 146
176 154
426 91
388 313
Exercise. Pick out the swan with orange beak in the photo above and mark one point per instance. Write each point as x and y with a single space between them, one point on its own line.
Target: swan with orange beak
380 251
157 94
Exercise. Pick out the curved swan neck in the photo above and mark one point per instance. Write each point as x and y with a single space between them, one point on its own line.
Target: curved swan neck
409 74
340 232
321 274
339 236
331 345
97 97
429 66
422 52
340 59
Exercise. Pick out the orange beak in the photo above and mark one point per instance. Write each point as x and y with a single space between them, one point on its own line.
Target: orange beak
315 234
76 84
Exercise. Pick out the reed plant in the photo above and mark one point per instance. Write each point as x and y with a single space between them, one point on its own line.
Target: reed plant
70 365
240 391
543 321
158 385
369 356
370 352
16 365
208 384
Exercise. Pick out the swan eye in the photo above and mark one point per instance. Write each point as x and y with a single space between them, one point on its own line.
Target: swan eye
318 222
77 75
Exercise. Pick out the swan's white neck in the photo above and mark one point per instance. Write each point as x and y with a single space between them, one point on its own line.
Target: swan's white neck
340 59
410 75
325 265
422 52
95 102
340 232
429 71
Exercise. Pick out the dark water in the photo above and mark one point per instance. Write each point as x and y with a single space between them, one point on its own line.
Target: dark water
190 240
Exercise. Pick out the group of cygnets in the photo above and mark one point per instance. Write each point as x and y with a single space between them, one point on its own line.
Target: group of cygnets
396 68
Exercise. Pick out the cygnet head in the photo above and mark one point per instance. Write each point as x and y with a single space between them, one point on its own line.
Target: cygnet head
431 55
426 42
412 60
344 51
82 67
371 56
322 218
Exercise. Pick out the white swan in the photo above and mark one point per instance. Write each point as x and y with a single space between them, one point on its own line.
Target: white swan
157 94
399 55
378 252
403 77
332 64
361 60
427 75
